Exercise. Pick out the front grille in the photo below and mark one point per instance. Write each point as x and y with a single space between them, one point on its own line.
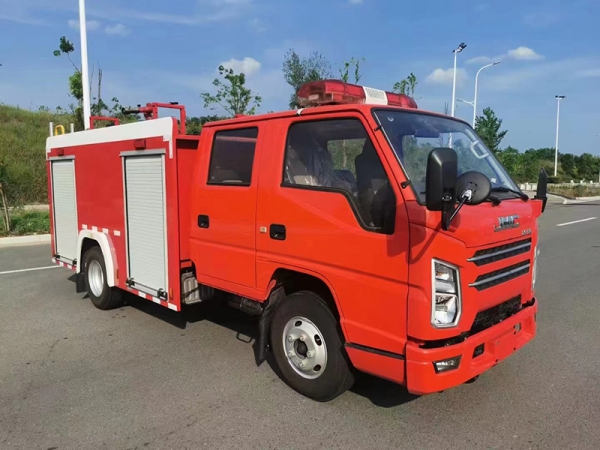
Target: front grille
494 254
500 276
484 320
493 316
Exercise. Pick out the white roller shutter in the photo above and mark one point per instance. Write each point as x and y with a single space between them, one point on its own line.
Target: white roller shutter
146 234
65 209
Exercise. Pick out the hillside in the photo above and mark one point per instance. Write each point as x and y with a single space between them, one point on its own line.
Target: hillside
23 136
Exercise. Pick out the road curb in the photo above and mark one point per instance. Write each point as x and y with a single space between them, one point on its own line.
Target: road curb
581 200
25 240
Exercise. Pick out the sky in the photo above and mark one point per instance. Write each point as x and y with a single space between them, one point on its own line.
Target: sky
156 50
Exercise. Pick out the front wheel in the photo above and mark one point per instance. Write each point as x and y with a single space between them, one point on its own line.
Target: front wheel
102 296
308 349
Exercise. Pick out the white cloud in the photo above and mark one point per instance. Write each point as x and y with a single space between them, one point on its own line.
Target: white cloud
248 66
92 25
481 60
204 12
117 30
542 19
258 25
589 73
445 76
218 3
520 53
35 12
543 76
524 54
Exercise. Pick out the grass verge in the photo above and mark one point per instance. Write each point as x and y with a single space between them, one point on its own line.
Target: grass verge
25 223
578 190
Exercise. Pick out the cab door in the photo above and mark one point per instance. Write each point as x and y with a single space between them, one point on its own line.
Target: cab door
336 212
222 236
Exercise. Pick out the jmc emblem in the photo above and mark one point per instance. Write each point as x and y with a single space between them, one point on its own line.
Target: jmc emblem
507 222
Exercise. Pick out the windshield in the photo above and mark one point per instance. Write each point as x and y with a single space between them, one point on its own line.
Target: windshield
413 135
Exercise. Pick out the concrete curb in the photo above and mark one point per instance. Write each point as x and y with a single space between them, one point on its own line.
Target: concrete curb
25 240
582 200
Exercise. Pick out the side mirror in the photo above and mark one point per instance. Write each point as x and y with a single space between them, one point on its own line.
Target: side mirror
442 172
542 188
475 185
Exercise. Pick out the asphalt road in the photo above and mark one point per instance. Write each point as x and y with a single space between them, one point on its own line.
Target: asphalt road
142 377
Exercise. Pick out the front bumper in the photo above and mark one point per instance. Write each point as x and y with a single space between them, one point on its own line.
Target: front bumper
500 341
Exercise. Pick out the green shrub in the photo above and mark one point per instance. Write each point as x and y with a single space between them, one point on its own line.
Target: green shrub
23 136
576 190
23 223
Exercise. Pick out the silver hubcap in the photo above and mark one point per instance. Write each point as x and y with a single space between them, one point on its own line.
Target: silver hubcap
95 278
305 347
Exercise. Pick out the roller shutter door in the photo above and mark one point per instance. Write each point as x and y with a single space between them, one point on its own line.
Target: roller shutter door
65 209
146 234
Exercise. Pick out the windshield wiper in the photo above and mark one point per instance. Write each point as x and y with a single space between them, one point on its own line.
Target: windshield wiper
521 195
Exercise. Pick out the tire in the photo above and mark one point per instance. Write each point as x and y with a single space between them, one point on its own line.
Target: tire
103 297
306 314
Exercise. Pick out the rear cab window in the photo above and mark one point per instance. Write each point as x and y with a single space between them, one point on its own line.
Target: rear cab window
232 157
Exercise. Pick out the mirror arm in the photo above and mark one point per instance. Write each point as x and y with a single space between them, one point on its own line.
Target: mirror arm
464 198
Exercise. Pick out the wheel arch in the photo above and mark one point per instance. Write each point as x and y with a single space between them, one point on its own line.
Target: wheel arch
296 281
88 239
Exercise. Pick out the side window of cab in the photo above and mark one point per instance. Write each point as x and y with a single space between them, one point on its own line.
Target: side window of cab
232 157
337 155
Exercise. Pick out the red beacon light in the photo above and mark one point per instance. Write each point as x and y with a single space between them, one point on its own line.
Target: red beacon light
336 92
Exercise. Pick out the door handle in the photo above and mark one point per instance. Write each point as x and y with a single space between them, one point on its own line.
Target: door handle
277 232
203 221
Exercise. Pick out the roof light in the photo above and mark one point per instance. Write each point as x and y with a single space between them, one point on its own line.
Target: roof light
332 92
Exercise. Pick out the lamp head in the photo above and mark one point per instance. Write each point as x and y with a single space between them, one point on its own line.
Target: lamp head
460 48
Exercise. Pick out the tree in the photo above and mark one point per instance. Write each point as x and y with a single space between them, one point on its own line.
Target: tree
406 86
587 166
488 128
345 70
65 48
567 163
298 71
194 124
510 158
232 94
98 107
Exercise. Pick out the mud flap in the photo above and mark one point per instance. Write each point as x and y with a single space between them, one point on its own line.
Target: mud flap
264 325
80 283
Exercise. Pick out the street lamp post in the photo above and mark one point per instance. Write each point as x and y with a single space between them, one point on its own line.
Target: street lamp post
474 102
456 51
558 99
476 84
85 78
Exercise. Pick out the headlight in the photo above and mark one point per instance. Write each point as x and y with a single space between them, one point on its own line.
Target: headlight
536 252
445 308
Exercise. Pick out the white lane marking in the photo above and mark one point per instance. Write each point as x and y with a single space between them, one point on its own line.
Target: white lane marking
576 221
28 270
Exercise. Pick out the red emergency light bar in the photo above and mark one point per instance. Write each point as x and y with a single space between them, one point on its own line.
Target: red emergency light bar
336 92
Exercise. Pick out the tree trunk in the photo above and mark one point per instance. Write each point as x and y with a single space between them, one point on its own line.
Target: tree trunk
99 86
5 208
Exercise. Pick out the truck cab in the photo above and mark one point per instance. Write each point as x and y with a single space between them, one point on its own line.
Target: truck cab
365 233
331 202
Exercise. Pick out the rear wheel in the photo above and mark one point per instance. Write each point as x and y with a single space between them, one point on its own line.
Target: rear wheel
102 296
308 349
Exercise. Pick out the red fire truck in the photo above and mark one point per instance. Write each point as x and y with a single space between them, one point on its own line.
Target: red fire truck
365 233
